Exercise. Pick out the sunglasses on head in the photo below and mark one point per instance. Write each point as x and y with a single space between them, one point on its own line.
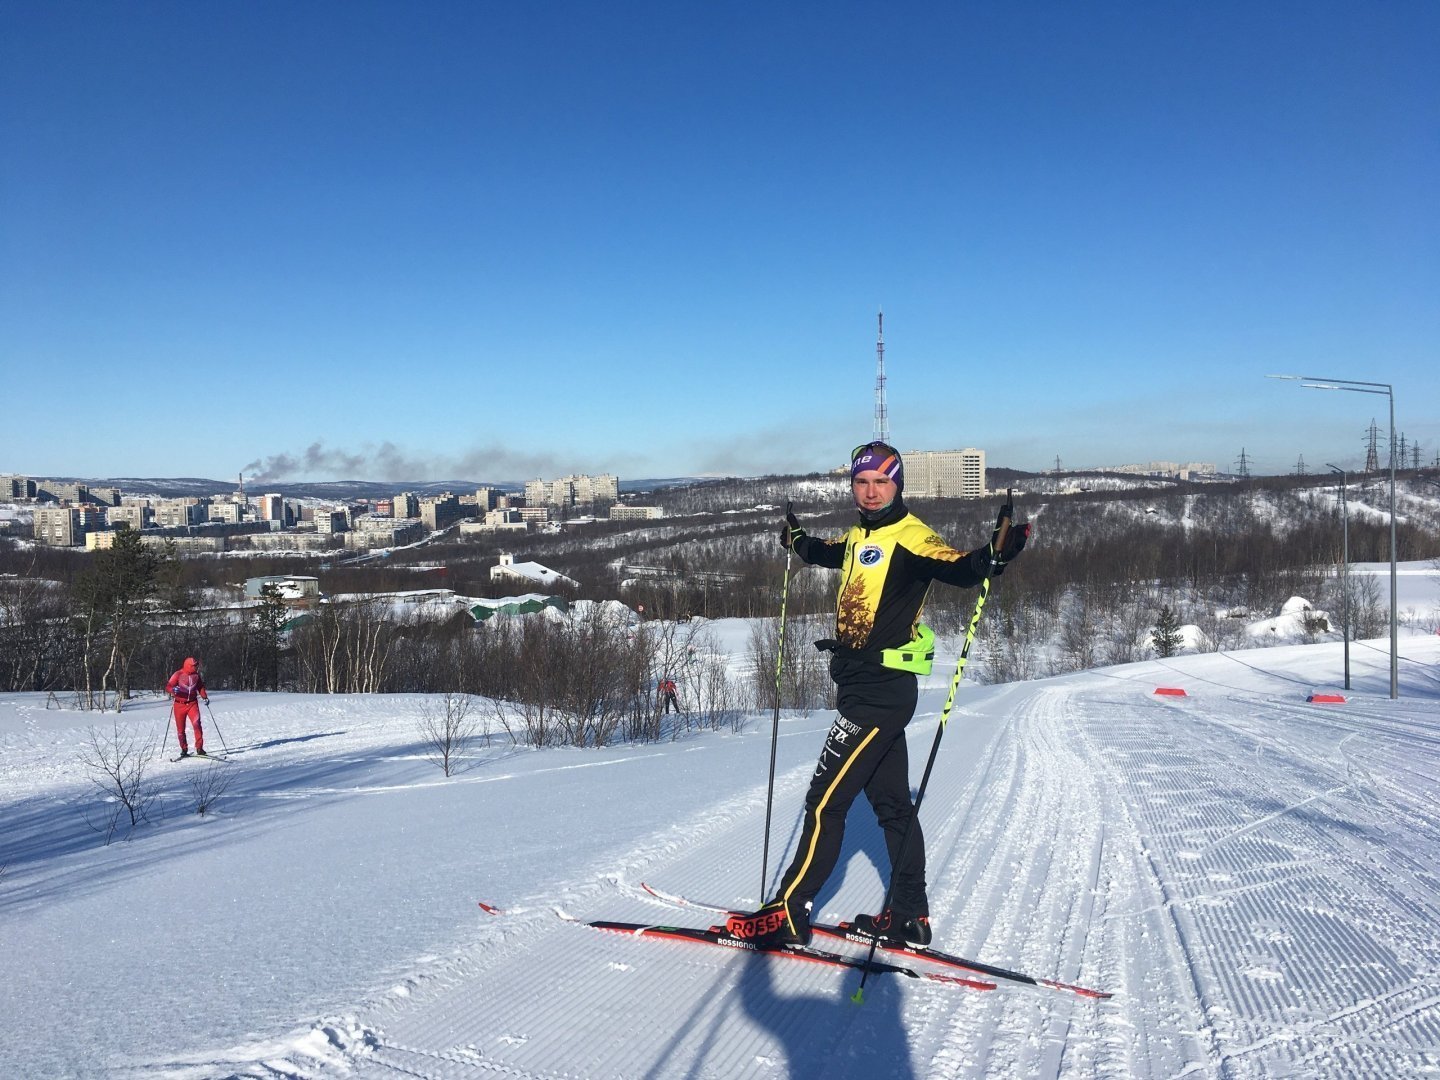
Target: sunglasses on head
885 447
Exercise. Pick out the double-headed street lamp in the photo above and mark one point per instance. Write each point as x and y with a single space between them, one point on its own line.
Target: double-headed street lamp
1344 569
1312 382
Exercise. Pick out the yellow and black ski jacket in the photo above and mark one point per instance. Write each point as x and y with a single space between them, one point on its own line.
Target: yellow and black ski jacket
887 567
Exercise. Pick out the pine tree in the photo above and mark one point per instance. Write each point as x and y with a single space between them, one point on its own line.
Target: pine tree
270 618
113 593
1166 636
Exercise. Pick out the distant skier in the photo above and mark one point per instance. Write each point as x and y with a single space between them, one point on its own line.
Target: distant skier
889 560
668 696
186 687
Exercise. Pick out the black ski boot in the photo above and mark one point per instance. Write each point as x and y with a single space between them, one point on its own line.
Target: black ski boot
774 925
914 931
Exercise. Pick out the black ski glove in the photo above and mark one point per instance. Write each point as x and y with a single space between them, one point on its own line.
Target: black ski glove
1011 546
790 531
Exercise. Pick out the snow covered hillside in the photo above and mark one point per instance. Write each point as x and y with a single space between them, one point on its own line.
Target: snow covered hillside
1256 878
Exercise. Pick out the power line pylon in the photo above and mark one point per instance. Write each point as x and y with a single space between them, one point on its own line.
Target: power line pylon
1372 458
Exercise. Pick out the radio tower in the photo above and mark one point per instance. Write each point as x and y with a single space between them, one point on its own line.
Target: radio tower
882 419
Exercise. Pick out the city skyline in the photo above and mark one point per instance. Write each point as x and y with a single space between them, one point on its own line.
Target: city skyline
407 244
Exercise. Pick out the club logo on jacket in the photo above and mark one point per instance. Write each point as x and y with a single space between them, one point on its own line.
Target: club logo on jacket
870 554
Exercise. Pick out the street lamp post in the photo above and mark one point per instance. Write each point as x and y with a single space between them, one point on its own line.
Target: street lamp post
1313 382
1344 570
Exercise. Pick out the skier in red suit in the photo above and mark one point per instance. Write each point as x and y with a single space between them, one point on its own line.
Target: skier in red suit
186 686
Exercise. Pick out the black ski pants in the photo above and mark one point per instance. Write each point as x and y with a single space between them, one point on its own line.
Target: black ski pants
864 751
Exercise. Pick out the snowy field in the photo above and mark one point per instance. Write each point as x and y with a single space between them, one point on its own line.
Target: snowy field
1255 877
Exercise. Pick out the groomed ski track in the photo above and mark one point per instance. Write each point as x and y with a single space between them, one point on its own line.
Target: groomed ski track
1255 877
1236 868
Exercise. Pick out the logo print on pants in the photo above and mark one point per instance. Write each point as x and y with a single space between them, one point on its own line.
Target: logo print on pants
837 743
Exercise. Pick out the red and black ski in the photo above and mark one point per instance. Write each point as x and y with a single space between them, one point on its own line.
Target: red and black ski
847 932
718 936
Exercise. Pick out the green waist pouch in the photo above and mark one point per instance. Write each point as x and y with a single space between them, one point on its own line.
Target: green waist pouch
917 655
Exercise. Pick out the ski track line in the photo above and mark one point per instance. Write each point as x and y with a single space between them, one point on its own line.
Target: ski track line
1139 955
1146 932
1304 957
1016 817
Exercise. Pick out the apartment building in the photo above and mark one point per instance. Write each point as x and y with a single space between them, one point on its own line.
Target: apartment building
570 491
131 515
945 474
231 512
373 532
59 526
440 512
16 488
636 513
175 513
272 507
329 521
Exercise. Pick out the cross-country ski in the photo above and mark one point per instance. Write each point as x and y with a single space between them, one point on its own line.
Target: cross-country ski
717 936
847 932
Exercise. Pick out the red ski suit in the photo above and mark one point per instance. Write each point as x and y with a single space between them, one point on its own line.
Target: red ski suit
186 686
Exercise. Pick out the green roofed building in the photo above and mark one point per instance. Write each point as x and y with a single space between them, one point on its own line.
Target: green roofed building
516 605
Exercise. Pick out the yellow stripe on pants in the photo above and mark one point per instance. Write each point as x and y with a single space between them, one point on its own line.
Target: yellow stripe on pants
820 809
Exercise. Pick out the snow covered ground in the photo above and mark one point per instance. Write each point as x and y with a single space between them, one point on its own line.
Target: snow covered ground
1256 877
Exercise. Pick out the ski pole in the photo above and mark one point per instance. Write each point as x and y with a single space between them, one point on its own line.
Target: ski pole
169 719
997 541
210 714
775 724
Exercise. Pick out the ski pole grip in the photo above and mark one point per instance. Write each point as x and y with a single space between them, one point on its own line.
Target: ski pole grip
1002 530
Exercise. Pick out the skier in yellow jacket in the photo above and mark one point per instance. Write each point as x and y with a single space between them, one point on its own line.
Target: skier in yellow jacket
888 561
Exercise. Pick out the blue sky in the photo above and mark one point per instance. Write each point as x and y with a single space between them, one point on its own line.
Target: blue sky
400 241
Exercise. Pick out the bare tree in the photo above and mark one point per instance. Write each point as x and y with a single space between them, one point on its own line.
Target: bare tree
804 681
1367 614
448 730
1125 641
118 765
34 637
208 784
346 647
1078 636
1219 633
716 695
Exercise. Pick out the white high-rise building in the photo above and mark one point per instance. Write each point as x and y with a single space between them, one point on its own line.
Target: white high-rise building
945 474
